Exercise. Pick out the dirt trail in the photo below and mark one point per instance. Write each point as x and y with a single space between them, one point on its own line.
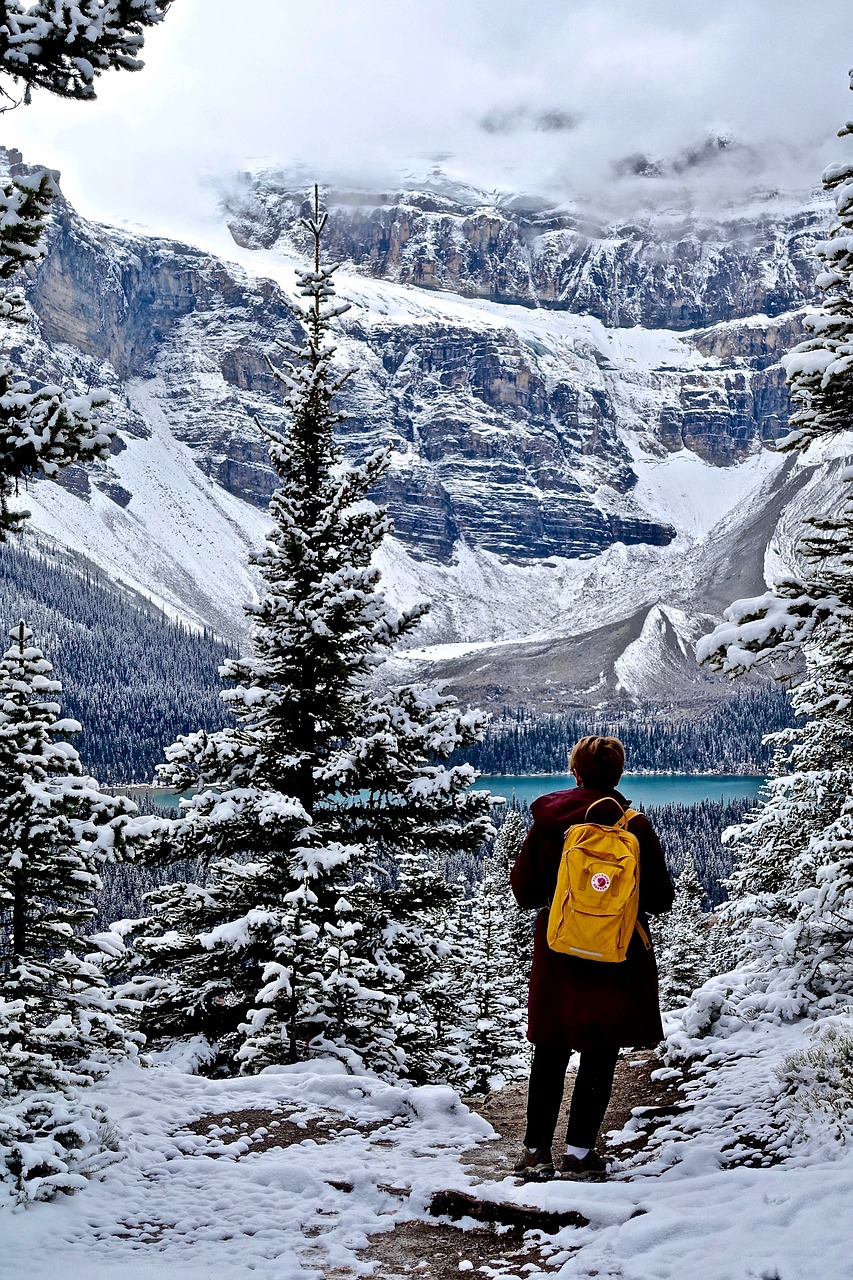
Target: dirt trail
435 1252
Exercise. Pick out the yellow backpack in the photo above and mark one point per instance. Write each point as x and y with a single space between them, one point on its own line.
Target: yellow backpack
594 909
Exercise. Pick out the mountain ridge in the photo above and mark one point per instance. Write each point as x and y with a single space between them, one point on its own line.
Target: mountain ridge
680 271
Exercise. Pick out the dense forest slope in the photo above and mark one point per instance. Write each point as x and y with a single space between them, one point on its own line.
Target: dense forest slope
134 678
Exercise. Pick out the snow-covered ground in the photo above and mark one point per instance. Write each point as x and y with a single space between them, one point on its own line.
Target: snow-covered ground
206 1204
693 495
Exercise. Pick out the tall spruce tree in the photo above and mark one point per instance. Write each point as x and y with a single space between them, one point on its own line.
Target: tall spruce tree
793 888
324 815
58 1030
493 1006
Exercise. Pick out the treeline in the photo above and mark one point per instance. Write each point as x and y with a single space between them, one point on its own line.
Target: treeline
133 678
125 884
728 739
696 829
683 829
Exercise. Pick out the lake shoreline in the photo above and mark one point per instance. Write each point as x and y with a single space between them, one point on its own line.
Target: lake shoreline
645 790
641 789
648 773
122 788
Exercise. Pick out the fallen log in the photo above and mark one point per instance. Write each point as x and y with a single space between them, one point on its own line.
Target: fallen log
458 1204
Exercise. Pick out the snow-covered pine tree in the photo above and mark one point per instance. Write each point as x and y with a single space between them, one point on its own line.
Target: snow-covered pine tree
42 429
63 48
200 975
519 923
331 803
437 1049
493 1006
818 369
785 915
794 883
823 930
810 780
25 202
58 1029
684 941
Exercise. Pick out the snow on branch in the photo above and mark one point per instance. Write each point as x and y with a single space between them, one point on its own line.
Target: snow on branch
64 47
24 204
771 625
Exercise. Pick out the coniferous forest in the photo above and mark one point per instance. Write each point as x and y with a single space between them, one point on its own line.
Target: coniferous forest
133 678
727 739
686 831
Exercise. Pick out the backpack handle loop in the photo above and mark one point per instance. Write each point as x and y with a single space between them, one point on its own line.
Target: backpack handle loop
627 814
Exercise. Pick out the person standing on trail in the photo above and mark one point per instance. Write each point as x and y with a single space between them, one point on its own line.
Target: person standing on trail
588 1006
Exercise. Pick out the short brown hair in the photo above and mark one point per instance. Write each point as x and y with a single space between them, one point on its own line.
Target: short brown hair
598 762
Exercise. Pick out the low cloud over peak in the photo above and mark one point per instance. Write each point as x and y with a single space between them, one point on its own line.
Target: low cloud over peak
503 120
602 100
714 151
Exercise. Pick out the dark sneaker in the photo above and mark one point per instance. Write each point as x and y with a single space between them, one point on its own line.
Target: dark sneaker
534 1164
590 1169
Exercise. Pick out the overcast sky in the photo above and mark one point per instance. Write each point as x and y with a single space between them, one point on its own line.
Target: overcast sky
613 100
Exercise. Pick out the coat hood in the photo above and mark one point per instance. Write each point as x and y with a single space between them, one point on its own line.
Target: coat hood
562 808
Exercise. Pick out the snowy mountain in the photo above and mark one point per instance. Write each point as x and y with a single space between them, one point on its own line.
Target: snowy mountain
672 268
577 499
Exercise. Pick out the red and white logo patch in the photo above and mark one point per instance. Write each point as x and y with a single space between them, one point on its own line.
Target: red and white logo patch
600 882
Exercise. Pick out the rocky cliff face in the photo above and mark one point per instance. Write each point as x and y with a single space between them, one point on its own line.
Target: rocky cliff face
678 271
512 428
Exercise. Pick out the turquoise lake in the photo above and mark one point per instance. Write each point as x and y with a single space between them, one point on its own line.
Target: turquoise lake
644 789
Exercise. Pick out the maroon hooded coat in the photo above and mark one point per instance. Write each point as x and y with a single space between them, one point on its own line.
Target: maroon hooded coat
586 1004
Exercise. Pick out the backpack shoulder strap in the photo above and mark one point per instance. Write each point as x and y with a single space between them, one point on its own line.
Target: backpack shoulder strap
623 822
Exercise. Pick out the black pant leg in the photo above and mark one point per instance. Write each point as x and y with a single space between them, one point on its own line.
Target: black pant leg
545 1094
590 1096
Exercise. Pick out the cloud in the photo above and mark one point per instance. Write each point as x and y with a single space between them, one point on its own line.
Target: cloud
601 100
712 151
504 120
637 165
557 121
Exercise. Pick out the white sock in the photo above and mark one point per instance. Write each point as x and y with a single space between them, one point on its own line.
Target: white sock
577 1152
